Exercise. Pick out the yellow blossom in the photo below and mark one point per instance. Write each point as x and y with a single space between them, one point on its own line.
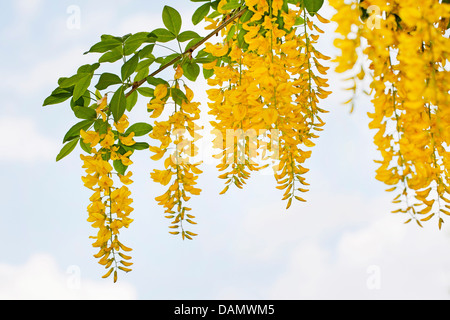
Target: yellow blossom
123 124
90 137
160 91
107 140
178 72
101 105
125 179
128 140
217 50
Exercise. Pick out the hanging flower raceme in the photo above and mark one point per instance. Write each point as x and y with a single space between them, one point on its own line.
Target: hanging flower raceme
177 136
109 210
408 51
267 87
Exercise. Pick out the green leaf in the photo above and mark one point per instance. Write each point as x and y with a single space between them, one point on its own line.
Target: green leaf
119 167
74 132
215 4
105 37
88 68
81 102
79 81
280 21
215 13
105 45
231 33
140 146
178 96
98 95
164 35
140 129
241 39
201 13
172 20
69 82
205 59
101 126
118 104
82 85
145 63
167 59
191 71
193 42
142 74
85 146
285 7
313 6
231 5
129 67
112 56
59 95
106 80
155 81
132 100
208 73
247 16
187 35
146 52
146 92
135 41
84 113
202 53
299 21
67 149
124 38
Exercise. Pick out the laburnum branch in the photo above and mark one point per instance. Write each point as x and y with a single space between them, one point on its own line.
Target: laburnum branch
137 84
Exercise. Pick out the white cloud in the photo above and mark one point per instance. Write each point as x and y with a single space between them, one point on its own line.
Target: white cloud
270 228
22 142
25 12
408 263
370 243
304 275
41 279
334 246
43 75
28 8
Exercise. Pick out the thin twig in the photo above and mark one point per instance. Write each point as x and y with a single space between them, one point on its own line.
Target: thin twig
137 84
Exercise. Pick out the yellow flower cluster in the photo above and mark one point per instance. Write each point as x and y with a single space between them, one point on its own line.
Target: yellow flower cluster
110 209
408 47
177 136
267 88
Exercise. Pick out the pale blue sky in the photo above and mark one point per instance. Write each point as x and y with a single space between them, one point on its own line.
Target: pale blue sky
249 246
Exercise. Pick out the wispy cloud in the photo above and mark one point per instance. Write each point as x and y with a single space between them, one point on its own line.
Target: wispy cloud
329 249
24 12
400 257
41 278
23 142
